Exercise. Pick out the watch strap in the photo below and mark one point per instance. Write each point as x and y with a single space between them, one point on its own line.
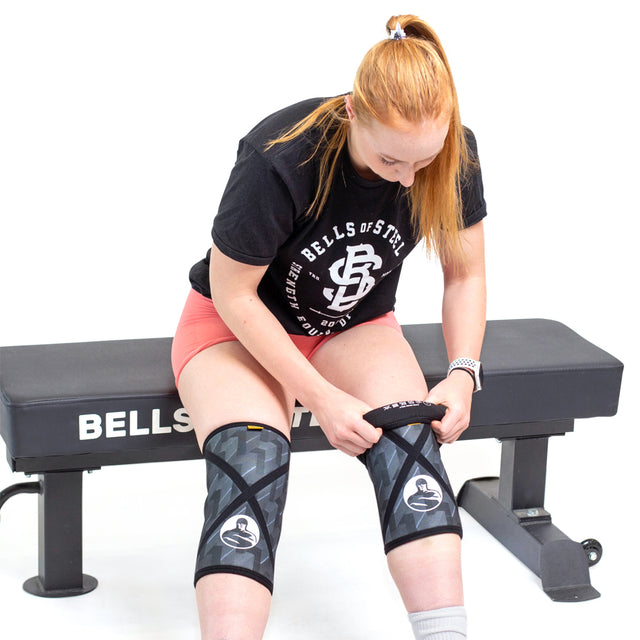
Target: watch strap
472 367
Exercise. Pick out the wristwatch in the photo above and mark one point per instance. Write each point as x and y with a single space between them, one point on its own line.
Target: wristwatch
472 367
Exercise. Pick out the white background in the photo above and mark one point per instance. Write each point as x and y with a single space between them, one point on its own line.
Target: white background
119 123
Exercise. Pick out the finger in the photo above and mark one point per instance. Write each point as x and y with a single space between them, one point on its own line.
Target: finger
436 427
351 450
454 432
355 444
351 453
446 436
447 427
352 442
368 432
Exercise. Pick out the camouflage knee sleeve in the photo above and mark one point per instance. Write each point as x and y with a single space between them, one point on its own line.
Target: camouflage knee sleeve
415 499
247 474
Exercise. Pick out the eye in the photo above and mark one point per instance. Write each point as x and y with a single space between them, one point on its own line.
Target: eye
386 162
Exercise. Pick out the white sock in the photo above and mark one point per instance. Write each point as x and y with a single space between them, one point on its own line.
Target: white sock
449 623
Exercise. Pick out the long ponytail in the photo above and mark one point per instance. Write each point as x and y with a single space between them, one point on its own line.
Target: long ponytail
407 78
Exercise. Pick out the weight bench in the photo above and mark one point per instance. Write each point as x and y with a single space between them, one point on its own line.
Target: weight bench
69 408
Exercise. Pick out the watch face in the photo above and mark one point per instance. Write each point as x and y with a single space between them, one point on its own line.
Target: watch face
479 377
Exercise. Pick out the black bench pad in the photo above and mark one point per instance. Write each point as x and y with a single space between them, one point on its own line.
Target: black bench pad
85 405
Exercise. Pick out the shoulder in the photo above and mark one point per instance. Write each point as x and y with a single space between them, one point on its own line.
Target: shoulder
288 163
470 141
474 207
279 122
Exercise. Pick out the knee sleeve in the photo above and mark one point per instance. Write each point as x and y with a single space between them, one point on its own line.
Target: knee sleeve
247 473
415 499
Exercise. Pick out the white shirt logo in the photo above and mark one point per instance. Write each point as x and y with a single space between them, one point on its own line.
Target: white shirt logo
353 275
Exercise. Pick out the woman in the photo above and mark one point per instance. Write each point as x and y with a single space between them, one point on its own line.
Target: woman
295 301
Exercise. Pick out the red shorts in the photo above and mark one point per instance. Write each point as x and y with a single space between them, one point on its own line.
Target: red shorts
201 327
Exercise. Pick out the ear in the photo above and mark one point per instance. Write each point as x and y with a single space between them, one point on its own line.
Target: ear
349 105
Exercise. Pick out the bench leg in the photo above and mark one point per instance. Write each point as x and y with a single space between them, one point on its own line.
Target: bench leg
511 508
60 538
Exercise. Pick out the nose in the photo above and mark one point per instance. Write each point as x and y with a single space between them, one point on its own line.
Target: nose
406 177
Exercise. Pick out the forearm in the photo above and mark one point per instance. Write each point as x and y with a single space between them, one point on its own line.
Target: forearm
339 414
264 337
464 316
234 289
463 324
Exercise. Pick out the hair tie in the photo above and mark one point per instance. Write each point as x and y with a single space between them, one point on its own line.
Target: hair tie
398 33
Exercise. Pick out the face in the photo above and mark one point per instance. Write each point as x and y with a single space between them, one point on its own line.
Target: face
394 153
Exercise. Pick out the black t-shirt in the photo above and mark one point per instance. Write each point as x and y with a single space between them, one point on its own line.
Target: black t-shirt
325 273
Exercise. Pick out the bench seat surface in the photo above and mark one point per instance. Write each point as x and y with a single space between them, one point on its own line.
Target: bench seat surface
121 395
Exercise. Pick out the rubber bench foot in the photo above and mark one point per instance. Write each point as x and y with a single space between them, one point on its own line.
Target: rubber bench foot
564 571
35 587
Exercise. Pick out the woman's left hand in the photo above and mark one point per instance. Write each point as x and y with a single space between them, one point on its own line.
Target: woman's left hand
455 393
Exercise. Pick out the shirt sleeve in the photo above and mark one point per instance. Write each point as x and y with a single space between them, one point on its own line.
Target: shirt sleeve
474 207
256 213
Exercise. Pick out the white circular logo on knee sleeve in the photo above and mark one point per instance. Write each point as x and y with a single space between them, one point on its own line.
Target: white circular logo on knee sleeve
422 493
240 532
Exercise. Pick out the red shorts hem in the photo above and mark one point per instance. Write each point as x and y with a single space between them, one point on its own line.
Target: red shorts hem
201 327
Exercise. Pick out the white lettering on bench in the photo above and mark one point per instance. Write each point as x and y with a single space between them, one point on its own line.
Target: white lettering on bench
117 424
90 426
303 418
122 424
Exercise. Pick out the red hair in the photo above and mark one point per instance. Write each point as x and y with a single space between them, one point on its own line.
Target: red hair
402 79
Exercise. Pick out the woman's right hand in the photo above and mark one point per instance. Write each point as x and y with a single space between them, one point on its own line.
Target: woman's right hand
340 418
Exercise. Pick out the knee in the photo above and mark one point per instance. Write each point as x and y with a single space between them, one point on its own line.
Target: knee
415 498
247 473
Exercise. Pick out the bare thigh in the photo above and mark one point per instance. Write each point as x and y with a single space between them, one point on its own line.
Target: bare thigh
373 363
225 384
377 365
